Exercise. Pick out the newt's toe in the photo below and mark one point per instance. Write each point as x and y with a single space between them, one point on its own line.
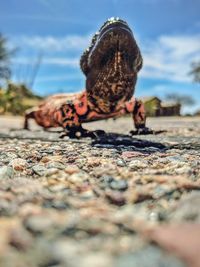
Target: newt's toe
142 131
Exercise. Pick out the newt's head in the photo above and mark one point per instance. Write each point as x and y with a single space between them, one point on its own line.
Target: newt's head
111 64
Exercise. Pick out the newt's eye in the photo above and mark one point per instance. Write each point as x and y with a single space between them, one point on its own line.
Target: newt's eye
80 104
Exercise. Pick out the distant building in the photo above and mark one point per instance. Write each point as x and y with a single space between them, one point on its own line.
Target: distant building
197 113
170 109
155 107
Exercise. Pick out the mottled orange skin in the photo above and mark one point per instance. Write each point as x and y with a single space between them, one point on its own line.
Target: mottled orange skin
71 110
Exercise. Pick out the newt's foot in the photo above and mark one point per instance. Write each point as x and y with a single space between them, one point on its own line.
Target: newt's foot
142 131
79 132
92 134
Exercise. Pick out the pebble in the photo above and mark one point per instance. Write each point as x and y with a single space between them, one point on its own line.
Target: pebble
106 180
97 259
76 178
116 198
131 154
56 165
148 256
71 169
175 158
51 171
188 209
121 163
39 169
38 224
120 185
6 172
184 169
18 164
20 239
138 164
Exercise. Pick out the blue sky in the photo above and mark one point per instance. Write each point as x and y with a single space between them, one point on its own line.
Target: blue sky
57 31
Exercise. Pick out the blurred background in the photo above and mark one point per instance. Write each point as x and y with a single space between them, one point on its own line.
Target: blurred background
41 42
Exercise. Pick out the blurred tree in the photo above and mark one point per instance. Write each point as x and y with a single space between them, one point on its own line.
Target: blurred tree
184 100
16 98
5 54
195 72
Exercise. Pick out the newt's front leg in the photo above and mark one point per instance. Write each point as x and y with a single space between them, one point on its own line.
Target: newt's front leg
136 107
72 114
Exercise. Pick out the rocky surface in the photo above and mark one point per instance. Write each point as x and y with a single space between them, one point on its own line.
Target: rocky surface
114 201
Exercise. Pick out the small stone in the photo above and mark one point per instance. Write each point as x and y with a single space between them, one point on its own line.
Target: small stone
56 148
175 158
59 205
57 187
20 239
66 251
116 198
6 172
38 224
138 164
45 159
76 178
81 162
131 154
121 163
56 165
10 156
6 208
39 169
148 256
97 259
71 169
184 169
120 185
87 194
153 216
28 209
18 164
51 171
95 153
188 209
106 179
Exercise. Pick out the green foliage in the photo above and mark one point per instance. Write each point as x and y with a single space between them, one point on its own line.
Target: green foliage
195 72
14 98
185 100
5 54
152 107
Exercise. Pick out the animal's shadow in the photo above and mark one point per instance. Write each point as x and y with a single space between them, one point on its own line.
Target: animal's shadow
121 142
127 142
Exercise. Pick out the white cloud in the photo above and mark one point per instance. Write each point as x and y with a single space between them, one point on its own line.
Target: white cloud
59 61
53 44
170 57
72 62
56 78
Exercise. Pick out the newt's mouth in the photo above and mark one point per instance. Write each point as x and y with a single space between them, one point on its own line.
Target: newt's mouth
114 23
114 36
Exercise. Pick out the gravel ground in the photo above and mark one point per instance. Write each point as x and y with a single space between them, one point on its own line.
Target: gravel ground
115 201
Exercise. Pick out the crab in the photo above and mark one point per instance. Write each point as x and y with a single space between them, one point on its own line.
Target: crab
110 64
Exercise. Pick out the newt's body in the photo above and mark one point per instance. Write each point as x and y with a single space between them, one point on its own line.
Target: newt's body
110 65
